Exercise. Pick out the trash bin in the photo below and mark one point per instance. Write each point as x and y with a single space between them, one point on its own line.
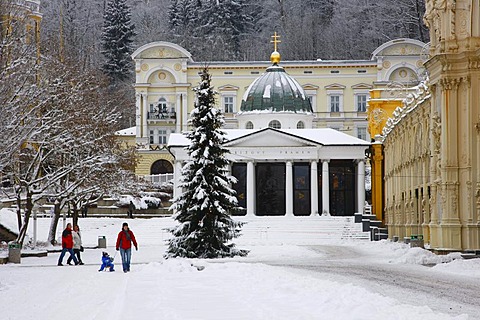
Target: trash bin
416 240
14 252
102 242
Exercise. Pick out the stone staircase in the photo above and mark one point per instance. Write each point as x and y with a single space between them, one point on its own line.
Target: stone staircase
371 224
301 230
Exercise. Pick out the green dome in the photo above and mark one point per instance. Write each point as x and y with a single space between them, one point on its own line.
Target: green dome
276 91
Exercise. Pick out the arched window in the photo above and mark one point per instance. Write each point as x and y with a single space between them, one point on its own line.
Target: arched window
160 167
249 125
275 124
300 125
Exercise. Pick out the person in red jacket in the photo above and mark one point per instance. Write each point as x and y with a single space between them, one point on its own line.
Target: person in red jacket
67 245
124 244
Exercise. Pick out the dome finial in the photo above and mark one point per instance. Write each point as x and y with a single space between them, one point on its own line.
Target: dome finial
275 56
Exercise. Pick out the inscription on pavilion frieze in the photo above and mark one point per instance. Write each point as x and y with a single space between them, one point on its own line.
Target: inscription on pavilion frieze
275 153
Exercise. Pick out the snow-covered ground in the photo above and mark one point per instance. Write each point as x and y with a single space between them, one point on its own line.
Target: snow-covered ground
260 286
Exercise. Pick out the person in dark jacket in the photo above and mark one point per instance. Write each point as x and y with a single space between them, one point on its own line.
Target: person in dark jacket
131 210
124 244
67 245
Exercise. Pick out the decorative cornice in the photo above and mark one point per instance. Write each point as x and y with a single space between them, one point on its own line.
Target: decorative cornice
411 102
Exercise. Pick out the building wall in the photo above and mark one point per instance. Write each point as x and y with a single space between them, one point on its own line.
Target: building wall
450 203
166 74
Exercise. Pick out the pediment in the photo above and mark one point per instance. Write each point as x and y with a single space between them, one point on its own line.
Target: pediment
400 47
228 87
362 86
270 138
161 50
335 86
309 86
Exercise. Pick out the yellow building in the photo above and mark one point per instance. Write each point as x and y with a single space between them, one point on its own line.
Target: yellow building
338 90
432 143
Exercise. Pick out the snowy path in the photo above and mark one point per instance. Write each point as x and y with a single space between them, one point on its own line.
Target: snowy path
412 284
347 280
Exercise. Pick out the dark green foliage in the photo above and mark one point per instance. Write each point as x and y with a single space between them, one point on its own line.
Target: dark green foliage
117 38
203 209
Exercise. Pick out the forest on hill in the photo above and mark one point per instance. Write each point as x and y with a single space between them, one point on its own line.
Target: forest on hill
100 35
239 30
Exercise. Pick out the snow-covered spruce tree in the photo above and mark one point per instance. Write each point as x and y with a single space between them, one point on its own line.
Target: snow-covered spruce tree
203 210
117 37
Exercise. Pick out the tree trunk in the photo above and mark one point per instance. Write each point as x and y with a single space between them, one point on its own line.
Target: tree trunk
54 223
19 209
28 212
75 214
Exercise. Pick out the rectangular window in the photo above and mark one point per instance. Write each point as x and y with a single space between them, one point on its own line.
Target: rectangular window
162 136
362 133
334 103
152 136
228 104
361 102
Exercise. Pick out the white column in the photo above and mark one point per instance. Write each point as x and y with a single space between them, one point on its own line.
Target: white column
144 116
178 113
325 188
185 113
228 168
177 190
361 185
289 189
138 114
250 188
314 188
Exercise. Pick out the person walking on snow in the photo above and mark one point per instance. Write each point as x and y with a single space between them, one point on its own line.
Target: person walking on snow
67 245
77 245
124 244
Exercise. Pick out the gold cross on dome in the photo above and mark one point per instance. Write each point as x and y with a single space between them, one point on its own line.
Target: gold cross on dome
275 40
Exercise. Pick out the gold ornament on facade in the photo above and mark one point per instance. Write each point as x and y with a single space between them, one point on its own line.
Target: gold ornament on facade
144 67
177 67
162 76
386 64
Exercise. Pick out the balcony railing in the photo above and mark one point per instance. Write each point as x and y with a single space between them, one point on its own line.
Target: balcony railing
158 178
161 116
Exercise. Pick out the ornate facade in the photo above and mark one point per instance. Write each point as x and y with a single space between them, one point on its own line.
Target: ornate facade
338 91
432 144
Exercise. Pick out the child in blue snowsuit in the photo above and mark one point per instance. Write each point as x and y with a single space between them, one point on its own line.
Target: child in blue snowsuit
107 262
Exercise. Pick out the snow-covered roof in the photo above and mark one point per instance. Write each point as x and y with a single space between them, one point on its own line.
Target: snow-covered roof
322 136
126 132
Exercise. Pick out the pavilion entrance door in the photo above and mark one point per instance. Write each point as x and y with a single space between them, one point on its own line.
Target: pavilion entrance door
239 171
270 187
301 189
342 188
